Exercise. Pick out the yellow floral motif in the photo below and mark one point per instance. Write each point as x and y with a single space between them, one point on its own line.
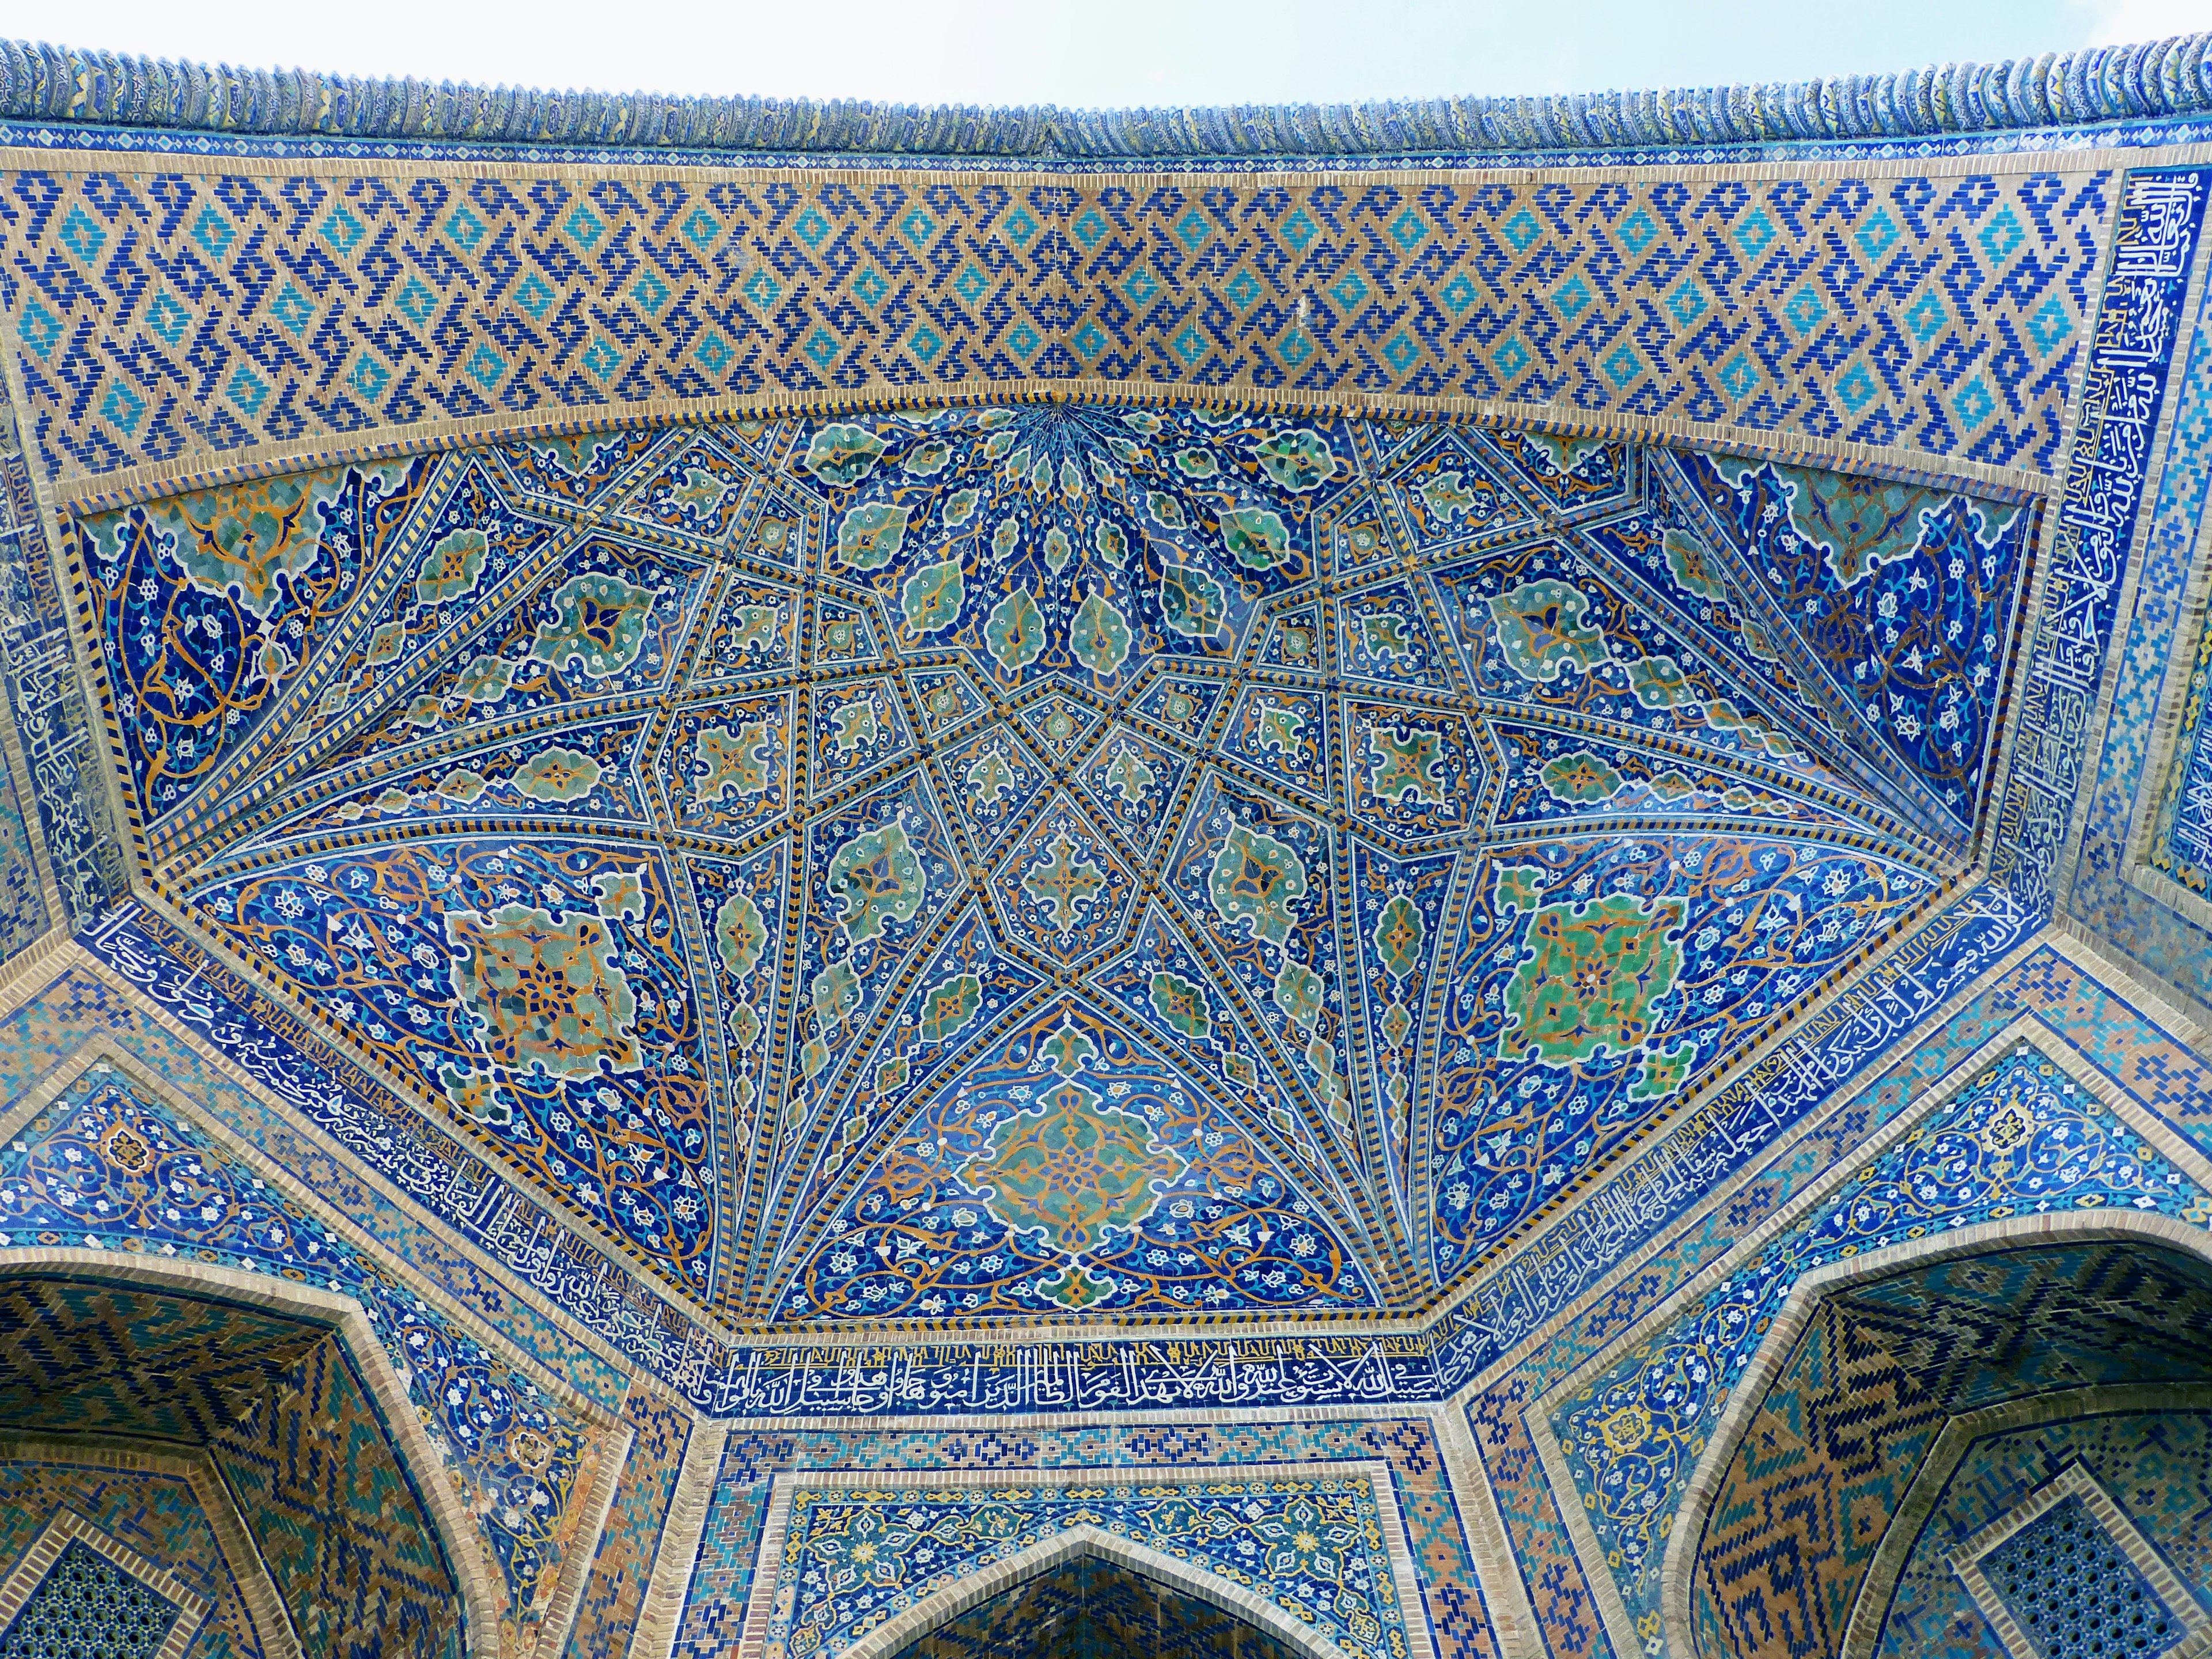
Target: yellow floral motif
547 995
1402 763
742 764
1074 1169
1626 1429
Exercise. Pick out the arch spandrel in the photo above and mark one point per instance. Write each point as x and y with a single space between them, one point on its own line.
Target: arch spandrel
2016 1277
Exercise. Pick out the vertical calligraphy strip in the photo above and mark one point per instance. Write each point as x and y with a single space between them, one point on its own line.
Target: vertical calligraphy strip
2161 213
48 706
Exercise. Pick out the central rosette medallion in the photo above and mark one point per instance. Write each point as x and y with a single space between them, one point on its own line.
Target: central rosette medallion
1073 1169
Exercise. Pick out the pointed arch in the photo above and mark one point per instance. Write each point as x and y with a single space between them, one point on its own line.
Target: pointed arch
342 1318
894 1635
1774 1353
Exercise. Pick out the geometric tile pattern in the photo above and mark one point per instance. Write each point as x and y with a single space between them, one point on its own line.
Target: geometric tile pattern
22 909
1842 1430
1312 1547
106 1168
2156 1464
864 907
2074 1590
2106 1028
104 1361
2020 1137
2183 828
203 312
553 1268
314 1475
1453 1599
158 1514
278 1407
1758 1107
951 862
962 864
78 1007
630 1541
86 1605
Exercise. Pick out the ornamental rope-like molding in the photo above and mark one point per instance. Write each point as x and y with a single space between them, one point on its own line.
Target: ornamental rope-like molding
2150 81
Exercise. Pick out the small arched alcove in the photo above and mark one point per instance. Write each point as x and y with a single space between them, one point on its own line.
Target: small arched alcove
1087 1593
1090 1608
232 1456
1925 1414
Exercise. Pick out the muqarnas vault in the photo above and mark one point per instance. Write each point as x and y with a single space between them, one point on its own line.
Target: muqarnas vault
1422 881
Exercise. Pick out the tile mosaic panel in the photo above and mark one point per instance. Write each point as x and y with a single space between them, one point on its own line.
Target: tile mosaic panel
52 717
628 1547
2021 1137
2073 1590
2157 1465
2138 325
2102 1026
2138 810
320 1491
932 814
1748 1117
78 1007
2184 805
104 1167
157 1514
768 1381
197 310
290 1427
1452 1598
1311 1544
1841 1432
1094 1609
1752 1113
1905 599
23 919
1077 691
87 1603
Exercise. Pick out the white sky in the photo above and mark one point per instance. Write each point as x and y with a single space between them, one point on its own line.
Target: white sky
1102 53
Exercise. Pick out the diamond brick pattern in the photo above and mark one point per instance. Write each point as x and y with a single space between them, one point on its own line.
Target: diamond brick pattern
196 315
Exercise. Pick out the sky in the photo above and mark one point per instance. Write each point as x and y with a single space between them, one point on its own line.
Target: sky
1102 53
